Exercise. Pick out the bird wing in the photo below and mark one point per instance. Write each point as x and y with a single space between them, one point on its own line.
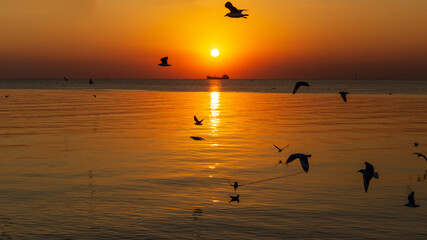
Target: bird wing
344 96
411 198
292 157
277 147
297 85
304 84
369 167
195 119
366 180
422 155
232 8
304 163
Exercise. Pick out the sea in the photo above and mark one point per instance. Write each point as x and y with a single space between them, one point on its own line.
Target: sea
114 159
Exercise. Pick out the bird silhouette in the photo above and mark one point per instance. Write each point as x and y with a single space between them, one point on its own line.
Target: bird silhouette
420 155
236 184
197 122
66 79
303 158
368 174
280 149
164 62
90 81
299 84
411 201
234 12
415 144
344 95
197 138
94 95
6 96
234 199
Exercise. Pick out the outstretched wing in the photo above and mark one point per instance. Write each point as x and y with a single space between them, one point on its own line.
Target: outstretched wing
411 198
297 85
292 157
344 96
369 167
195 119
232 8
422 155
304 163
277 147
366 180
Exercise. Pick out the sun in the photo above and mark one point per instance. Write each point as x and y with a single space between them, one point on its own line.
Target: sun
214 52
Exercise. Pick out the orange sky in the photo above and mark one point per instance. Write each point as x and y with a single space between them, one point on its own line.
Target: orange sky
303 39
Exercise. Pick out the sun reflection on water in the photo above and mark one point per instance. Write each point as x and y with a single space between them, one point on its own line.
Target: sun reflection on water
215 107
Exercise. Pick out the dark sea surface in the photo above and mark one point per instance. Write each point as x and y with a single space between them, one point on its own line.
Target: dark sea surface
122 165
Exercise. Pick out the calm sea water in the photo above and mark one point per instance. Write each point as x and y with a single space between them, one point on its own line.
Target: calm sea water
122 165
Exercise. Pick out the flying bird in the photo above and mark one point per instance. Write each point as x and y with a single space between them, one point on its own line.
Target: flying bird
368 174
66 79
415 144
90 81
234 12
164 62
6 96
344 96
236 185
94 95
197 138
234 199
197 122
299 84
420 155
280 149
303 158
411 201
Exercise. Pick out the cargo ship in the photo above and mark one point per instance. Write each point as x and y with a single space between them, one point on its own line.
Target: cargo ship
225 76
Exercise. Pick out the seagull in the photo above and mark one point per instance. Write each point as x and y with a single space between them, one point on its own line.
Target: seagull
303 158
415 144
164 62
420 155
368 174
237 185
280 149
197 138
197 122
234 199
66 79
299 84
343 95
90 81
411 201
234 12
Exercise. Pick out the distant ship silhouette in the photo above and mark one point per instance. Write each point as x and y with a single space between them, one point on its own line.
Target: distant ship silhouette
225 76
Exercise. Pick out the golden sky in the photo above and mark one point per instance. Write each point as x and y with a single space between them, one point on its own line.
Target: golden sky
295 39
